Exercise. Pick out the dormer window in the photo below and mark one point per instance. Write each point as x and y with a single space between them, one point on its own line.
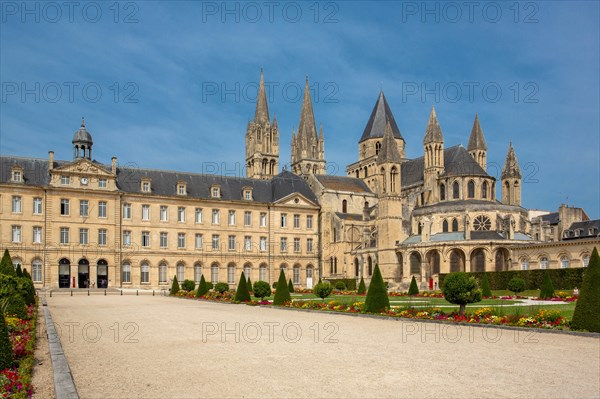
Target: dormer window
146 187
17 175
215 192
181 189
65 180
247 193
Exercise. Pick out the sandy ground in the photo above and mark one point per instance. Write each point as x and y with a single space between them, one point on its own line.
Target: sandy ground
151 347
42 379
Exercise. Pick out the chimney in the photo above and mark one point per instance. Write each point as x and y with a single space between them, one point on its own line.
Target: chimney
50 160
114 165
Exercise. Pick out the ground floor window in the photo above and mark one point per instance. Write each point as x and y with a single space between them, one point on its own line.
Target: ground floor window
162 273
262 273
564 262
145 273
197 272
231 274
214 274
296 274
36 271
180 272
126 273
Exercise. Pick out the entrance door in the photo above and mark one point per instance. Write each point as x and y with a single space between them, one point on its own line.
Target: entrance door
309 277
83 274
64 273
102 274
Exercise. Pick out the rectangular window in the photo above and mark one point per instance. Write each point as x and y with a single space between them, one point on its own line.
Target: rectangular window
64 207
263 244
126 211
102 183
215 242
126 273
84 207
296 221
309 222
102 236
263 219
181 240
164 240
145 212
17 176
296 245
126 238
231 218
231 242
37 206
16 204
164 213
247 218
309 245
146 187
248 243
284 220
215 216
65 180
145 238
181 189
283 244
83 236
248 194
198 215
16 234
37 235
102 205
198 241
64 235
215 192
181 214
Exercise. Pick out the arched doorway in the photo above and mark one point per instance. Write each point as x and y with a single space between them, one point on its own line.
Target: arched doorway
83 273
457 261
64 273
102 273
433 260
501 259
478 260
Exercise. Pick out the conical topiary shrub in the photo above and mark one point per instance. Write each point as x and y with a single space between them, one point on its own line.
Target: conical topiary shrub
6 353
290 286
547 289
282 295
249 285
242 294
377 299
587 309
26 274
202 287
362 288
413 289
485 286
18 271
6 265
175 286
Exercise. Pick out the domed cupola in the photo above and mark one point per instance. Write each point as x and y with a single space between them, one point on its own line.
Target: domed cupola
82 143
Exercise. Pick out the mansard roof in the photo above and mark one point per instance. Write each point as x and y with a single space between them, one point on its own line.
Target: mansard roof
378 120
587 229
343 183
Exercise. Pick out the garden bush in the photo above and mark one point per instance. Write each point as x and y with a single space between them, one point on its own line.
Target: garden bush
413 289
547 290
461 289
485 286
362 288
322 290
377 299
6 352
290 286
210 285
202 287
15 306
175 286
282 295
516 285
261 290
274 285
221 287
587 309
188 285
350 283
340 286
242 294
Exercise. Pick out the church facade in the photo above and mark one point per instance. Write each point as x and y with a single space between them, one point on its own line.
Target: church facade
82 223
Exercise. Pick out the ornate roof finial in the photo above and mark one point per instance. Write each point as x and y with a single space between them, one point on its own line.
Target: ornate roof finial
83 122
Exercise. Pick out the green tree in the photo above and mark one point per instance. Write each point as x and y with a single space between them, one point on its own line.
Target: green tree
175 286
242 294
587 308
322 290
413 289
262 290
249 284
377 299
6 353
221 288
18 271
202 287
362 288
290 286
516 285
485 286
282 295
547 289
460 289
6 265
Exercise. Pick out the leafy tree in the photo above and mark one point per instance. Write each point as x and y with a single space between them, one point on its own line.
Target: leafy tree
6 265
242 294
322 290
202 287
516 285
362 288
587 309
377 299
6 353
485 286
18 271
413 289
188 285
175 286
290 286
282 295
221 288
262 290
460 289
547 289
249 284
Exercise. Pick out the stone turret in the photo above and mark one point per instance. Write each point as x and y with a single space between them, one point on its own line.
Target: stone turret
433 144
511 179
477 146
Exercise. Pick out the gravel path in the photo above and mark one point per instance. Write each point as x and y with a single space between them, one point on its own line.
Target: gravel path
168 347
42 379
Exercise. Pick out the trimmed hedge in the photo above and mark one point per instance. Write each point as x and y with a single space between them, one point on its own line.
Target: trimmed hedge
362 288
587 310
175 286
563 279
282 295
485 286
202 287
242 294
547 290
377 297
413 289
350 283
6 352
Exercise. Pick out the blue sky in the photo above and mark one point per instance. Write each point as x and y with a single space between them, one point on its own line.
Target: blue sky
171 85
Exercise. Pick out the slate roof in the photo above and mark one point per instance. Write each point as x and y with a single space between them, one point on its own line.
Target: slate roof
377 121
594 225
343 183
551 218
486 235
349 216
165 182
457 162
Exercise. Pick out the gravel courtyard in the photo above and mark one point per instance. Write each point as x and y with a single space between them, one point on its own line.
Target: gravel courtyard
157 347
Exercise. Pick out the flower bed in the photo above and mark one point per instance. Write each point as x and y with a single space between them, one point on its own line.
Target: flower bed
16 381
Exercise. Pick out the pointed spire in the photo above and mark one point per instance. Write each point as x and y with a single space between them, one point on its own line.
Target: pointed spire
433 133
261 115
477 141
307 130
275 120
511 167
380 115
389 150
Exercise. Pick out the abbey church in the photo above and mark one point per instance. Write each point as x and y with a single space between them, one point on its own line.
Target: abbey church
83 223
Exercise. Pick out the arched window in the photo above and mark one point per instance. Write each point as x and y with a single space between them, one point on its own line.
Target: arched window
457 261
501 259
585 260
433 258
162 273
564 262
393 179
126 272
262 272
445 226
214 273
442 192
366 172
377 147
455 190
231 273
370 266
471 189
344 206
197 272
478 260
419 228
145 273
454 224
247 270
415 263
383 180
484 190
296 275
36 270
180 272
544 263
524 264
356 268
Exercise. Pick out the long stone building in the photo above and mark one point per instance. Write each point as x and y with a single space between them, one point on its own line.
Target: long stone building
83 223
